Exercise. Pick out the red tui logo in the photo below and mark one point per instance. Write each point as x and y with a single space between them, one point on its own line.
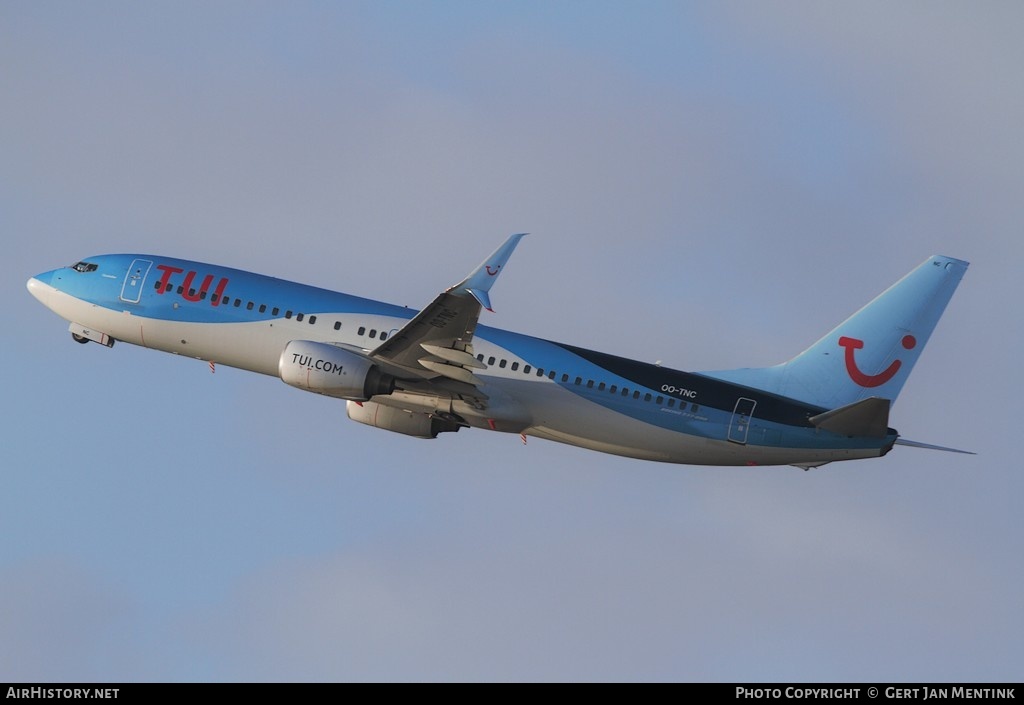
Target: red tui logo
866 380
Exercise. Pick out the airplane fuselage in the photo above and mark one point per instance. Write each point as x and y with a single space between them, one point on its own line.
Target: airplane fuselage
534 387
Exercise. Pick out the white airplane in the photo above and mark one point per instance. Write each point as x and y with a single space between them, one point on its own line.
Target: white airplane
435 371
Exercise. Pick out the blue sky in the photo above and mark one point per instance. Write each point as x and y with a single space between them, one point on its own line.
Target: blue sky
707 184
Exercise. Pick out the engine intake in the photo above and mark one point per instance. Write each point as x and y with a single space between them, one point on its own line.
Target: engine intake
328 369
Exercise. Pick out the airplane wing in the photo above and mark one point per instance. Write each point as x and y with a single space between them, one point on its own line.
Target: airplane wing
437 342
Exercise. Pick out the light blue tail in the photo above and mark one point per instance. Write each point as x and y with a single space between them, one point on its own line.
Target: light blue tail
870 354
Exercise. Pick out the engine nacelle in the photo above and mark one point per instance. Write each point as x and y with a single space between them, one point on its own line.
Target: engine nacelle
411 423
331 370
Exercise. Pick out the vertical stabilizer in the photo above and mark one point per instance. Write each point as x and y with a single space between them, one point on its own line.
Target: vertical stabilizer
870 354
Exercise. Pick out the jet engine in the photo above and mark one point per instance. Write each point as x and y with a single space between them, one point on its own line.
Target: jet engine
411 423
331 370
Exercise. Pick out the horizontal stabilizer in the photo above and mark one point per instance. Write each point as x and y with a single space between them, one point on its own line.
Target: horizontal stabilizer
929 446
868 417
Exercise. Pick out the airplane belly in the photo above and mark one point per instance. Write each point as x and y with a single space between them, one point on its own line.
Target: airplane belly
560 416
254 346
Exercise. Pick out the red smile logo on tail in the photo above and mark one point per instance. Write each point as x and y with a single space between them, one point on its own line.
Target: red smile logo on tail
866 380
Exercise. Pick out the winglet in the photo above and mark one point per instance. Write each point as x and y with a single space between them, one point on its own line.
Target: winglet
480 281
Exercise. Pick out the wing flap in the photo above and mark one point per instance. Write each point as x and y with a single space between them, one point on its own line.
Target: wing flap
447 322
458 357
459 374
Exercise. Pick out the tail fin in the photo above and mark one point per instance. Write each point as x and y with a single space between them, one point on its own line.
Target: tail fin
870 354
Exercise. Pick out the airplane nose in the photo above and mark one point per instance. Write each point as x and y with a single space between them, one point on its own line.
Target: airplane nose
39 287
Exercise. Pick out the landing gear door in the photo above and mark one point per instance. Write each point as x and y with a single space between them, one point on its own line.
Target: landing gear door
739 426
131 290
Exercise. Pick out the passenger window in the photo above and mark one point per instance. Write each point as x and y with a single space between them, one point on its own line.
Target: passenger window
659 400
373 332
249 306
625 392
287 314
636 394
192 293
694 408
383 335
299 316
590 384
671 403
238 302
480 357
551 374
263 308
362 330
540 372
490 360
337 325
503 363
614 388
312 320
526 369
515 366
181 289
202 295
275 311
647 397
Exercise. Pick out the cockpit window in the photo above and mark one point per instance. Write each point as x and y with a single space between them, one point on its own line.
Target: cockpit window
85 267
